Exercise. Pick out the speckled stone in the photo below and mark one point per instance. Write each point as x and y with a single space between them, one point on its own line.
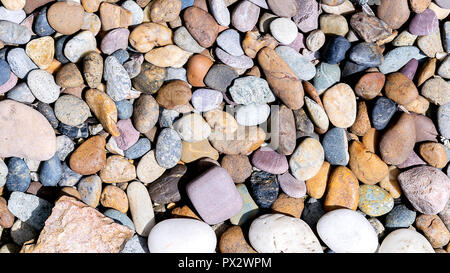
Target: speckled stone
397 58
264 188
302 67
140 148
69 178
18 178
168 148
400 217
90 189
29 209
51 171
326 76
374 201
383 112
19 62
443 118
124 109
251 89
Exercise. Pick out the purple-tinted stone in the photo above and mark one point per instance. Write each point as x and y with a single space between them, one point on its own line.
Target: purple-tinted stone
261 3
443 3
298 43
128 134
245 16
270 161
214 195
241 62
412 160
307 18
425 129
114 40
291 186
410 69
206 99
424 23
12 81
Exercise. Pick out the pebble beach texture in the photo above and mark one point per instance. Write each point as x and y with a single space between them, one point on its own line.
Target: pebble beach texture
225 126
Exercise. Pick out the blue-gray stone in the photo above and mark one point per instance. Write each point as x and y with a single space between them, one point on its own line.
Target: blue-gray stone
12 33
167 118
21 93
18 178
351 68
69 178
186 4
168 148
264 188
47 111
447 37
140 148
3 53
400 217
326 76
230 41
312 212
80 131
59 49
382 112
443 119
302 67
335 146
5 72
124 109
51 171
41 25
19 62
366 54
137 244
29 209
395 59
121 55
119 218
334 52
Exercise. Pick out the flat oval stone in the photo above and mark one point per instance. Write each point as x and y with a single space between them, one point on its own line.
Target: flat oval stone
270 161
400 88
79 46
397 58
141 208
183 39
19 62
374 201
326 76
424 23
168 56
220 12
114 40
436 90
230 41
335 145
245 16
336 49
71 110
220 77
291 186
89 157
307 159
178 235
148 169
65 18
18 178
347 231
287 8
168 148
284 30
252 114
343 190
201 25
340 104
173 94
204 100
400 217
443 119
405 241
302 67
145 113
264 188
333 24
277 233
241 62
140 148
13 33
382 112
367 54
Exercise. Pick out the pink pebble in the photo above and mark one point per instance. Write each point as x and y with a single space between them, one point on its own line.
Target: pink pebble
128 134
9 84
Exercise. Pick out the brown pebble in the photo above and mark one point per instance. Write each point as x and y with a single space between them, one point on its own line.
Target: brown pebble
288 205
343 190
434 154
66 18
238 166
114 197
400 88
201 25
316 186
362 122
6 217
370 85
184 212
434 230
197 68
89 157
173 94
233 241
68 76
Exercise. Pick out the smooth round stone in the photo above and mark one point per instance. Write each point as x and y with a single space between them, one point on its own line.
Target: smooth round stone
12 33
114 40
41 51
400 217
366 54
43 86
220 12
291 186
148 169
241 62
21 93
118 82
374 201
18 178
90 188
436 90
3 173
284 30
136 11
41 25
307 159
335 145
80 45
264 188
66 18
182 236
5 72
382 112
119 217
347 231
140 148
220 77
424 23
71 110
204 100
168 148
302 67
69 178
167 118
19 62
124 109
59 49
405 241
230 41
395 59
252 114
326 76
51 171
141 208
445 4
277 233
315 40
270 161
183 39
192 128
29 209
251 89
245 16
340 104
443 119
351 68
335 50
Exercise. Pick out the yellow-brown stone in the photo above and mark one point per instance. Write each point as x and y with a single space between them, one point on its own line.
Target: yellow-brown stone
114 197
233 241
366 166
288 205
41 51
196 150
89 157
343 190
104 109
316 186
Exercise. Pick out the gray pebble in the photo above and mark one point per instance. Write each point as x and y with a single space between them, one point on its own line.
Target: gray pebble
230 41
302 67
168 148
118 82
69 177
183 39
251 89
19 62
137 244
326 76
64 146
21 93
29 209
12 33
43 86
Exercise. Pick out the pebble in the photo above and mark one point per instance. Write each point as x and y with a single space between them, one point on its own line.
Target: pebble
89 157
264 188
18 176
383 112
65 18
136 12
114 197
397 58
424 23
252 114
71 110
220 77
245 16
230 41
251 89
201 25
165 189
20 63
118 82
119 217
137 244
114 40
51 171
335 146
192 128
15 16
238 166
400 217
277 233
148 169
374 201
291 186
233 241
141 208
443 119
79 46
317 114
3 173
340 104
333 24
220 12
117 170
366 166
241 62
140 148
346 231
249 208
182 236
150 78
69 178
173 94
145 113
436 90
47 111
168 148
90 189
183 39
326 76
22 232
29 209
434 154
405 241
336 50
307 159
434 230
270 161
13 33
343 190
302 67
284 30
